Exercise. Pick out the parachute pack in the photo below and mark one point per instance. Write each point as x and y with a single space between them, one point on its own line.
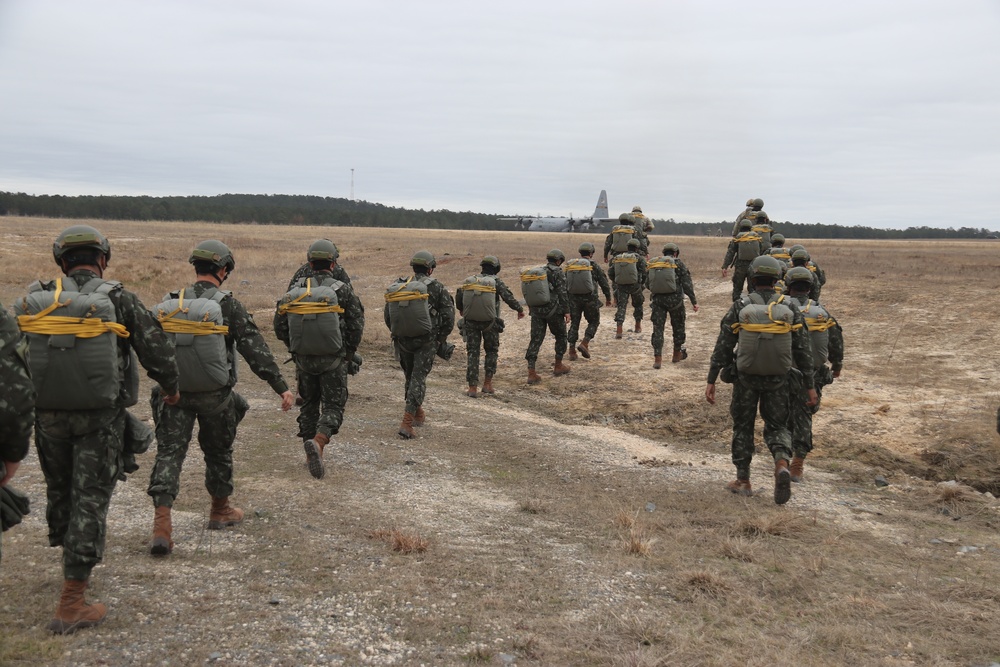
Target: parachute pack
620 236
747 246
765 336
818 322
626 268
314 319
409 309
579 276
199 335
479 298
662 275
535 286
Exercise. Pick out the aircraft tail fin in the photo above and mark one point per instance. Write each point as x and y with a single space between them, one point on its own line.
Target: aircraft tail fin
602 206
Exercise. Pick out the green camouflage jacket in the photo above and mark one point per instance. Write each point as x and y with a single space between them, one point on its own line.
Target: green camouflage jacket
352 320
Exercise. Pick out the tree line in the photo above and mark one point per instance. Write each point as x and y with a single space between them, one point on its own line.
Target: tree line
338 212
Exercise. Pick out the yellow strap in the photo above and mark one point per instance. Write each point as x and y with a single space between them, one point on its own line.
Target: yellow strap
406 295
625 260
811 267
748 237
770 327
57 325
781 255
579 267
760 228
660 265
820 323
476 287
628 230
529 277
312 308
174 325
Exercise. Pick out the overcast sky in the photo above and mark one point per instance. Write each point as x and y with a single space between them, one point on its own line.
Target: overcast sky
882 113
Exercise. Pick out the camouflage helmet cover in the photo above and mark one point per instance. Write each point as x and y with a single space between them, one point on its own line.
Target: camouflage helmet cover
671 249
491 260
423 258
80 236
797 246
637 209
323 250
555 255
587 248
746 223
765 265
798 274
758 203
633 243
800 253
777 238
215 252
626 218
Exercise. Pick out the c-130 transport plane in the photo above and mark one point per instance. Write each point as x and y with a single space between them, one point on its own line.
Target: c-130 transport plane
553 224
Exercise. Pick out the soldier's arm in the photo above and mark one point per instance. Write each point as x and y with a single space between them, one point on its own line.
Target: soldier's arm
561 294
508 296
836 352
607 247
280 323
153 347
730 256
602 280
445 307
687 285
340 274
353 319
304 271
251 345
725 345
820 275
802 350
643 271
17 404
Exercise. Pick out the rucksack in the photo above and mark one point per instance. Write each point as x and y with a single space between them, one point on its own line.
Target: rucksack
620 235
579 276
626 268
662 275
197 328
409 308
73 356
479 298
314 318
747 246
535 286
765 336
818 322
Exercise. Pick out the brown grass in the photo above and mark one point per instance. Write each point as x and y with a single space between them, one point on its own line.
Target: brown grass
401 541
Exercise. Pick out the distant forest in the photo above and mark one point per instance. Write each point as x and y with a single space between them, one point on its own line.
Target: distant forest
335 212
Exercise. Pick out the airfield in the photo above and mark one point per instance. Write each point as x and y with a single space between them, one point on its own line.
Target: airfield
582 521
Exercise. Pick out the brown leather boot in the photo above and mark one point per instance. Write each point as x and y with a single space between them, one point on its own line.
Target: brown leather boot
584 348
657 361
679 355
559 368
73 612
419 417
797 467
782 482
618 331
740 487
488 385
473 391
223 514
533 377
638 326
314 454
572 353
162 527
406 427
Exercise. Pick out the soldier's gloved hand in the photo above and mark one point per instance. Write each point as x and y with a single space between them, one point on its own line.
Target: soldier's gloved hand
7 470
287 400
607 302
520 314
354 364
725 272
813 398
13 506
172 399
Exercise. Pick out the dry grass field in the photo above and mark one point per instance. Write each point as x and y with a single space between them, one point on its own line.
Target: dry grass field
582 521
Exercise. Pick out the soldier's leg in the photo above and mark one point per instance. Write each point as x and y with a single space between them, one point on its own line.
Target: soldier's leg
799 417
557 325
174 425
538 327
658 314
739 278
621 301
473 340
592 311
406 358
491 345
638 299
677 320
743 410
333 387
309 390
576 309
423 361
774 412
217 424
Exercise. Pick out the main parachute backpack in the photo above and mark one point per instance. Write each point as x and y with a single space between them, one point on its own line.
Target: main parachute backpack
479 298
626 268
199 335
818 322
765 336
747 246
314 319
620 235
409 308
73 356
662 275
579 276
535 286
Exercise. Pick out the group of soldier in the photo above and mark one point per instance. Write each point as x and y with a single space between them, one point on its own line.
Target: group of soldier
70 358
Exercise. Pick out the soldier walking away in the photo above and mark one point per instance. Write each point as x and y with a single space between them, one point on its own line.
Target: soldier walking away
478 300
827 343
643 226
669 280
420 314
321 321
742 250
544 290
583 277
81 330
754 213
762 338
800 257
209 326
617 240
628 274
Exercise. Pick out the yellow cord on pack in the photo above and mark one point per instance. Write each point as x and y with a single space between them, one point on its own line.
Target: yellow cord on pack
173 325
297 307
57 325
820 323
580 266
772 327
625 260
748 237
406 295
660 265
528 277
477 287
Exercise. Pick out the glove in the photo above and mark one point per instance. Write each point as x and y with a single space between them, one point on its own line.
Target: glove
445 350
13 506
354 364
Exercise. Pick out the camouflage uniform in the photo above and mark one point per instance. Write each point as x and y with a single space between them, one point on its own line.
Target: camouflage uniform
639 222
550 317
661 304
756 216
609 241
217 412
741 267
80 451
623 293
322 379
770 392
588 306
485 333
337 272
17 394
416 353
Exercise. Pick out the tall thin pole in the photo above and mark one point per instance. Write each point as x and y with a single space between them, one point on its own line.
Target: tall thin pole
352 183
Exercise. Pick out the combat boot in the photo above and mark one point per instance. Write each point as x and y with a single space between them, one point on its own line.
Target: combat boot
797 467
782 482
314 454
73 612
419 417
638 326
559 368
488 385
657 361
162 528
679 355
572 353
740 487
223 514
533 377
406 427
618 331
584 348
473 391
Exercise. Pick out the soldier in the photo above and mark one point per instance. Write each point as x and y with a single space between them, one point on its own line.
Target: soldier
79 358
552 315
762 335
754 213
420 314
583 277
478 301
628 273
306 271
321 321
800 257
742 250
617 241
827 344
643 226
209 326
669 281
17 412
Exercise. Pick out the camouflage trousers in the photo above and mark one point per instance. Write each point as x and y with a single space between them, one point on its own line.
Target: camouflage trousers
741 277
322 384
659 306
539 325
80 453
217 413
770 393
416 358
583 306
622 295
800 415
486 334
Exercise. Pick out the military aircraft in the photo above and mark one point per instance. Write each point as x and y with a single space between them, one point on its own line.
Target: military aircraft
551 224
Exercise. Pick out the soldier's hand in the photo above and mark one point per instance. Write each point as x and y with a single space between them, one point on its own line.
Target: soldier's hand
11 467
695 307
836 373
172 399
567 318
725 272
607 302
710 394
287 401
520 314
813 398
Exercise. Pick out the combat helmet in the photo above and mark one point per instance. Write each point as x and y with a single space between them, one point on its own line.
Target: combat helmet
797 246
587 248
800 253
671 249
765 265
323 250
746 224
423 258
626 218
555 255
758 203
777 239
80 236
798 274
637 209
491 260
215 252
634 243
